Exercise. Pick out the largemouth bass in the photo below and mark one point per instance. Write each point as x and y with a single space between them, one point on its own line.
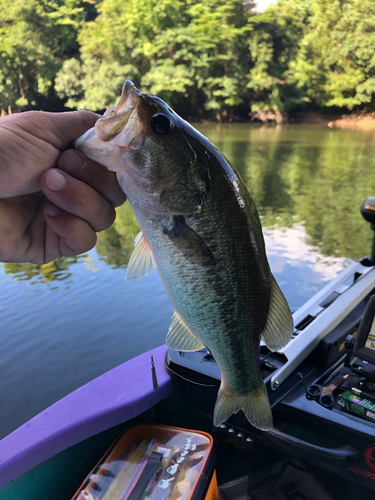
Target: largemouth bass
201 230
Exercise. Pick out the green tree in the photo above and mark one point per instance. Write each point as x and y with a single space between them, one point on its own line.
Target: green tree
112 49
313 53
35 38
207 58
192 54
274 43
211 57
335 63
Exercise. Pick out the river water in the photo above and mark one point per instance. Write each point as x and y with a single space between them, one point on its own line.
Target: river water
64 323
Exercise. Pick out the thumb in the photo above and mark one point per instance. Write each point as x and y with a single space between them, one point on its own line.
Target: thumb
58 129
67 127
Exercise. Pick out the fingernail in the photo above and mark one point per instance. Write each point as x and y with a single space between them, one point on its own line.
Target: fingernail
51 210
72 160
55 180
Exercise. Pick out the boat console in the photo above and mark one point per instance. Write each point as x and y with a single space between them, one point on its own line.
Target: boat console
321 385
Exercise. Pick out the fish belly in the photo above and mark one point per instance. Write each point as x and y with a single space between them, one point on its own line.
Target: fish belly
224 305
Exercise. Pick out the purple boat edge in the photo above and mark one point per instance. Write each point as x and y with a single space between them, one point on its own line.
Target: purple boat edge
111 399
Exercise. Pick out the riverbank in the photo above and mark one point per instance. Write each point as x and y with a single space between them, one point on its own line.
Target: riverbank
355 122
365 122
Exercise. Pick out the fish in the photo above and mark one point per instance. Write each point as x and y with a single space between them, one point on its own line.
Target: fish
201 230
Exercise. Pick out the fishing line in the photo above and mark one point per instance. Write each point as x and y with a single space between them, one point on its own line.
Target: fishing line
154 377
187 379
130 223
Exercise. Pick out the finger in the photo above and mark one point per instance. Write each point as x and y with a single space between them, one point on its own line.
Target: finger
92 173
57 129
20 226
77 198
66 234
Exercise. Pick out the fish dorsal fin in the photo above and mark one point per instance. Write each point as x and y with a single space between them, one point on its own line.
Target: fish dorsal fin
279 325
180 337
141 261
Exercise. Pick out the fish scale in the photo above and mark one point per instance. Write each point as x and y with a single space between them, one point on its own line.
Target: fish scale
201 230
213 299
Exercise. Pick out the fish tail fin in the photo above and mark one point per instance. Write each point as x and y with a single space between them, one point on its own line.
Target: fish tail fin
255 406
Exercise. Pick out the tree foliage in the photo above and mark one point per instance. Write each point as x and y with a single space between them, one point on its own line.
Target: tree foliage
209 58
35 38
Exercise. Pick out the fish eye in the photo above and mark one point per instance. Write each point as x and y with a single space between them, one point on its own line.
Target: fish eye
161 124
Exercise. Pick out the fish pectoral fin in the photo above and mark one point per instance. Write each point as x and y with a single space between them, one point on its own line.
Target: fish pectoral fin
189 242
141 261
255 405
279 325
180 337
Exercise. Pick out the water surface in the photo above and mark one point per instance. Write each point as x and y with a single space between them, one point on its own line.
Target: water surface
64 323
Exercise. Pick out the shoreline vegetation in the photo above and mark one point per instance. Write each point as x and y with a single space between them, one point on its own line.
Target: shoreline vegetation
211 60
365 122
350 121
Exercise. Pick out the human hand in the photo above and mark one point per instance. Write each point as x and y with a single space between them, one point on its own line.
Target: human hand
47 212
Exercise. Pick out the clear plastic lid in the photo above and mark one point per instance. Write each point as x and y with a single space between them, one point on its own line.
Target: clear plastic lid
149 462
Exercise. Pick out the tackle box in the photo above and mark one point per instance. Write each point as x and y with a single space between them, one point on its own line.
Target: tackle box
154 462
331 438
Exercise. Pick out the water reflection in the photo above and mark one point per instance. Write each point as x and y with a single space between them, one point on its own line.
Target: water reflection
310 174
116 244
296 174
297 266
308 184
33 274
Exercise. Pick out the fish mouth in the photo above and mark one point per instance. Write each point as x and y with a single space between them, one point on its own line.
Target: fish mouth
113 134
119 120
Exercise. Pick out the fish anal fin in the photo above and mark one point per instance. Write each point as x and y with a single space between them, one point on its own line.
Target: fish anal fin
180 337
141 261
279 324
255 406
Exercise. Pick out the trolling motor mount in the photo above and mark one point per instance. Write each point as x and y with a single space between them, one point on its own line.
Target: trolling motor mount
368 213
